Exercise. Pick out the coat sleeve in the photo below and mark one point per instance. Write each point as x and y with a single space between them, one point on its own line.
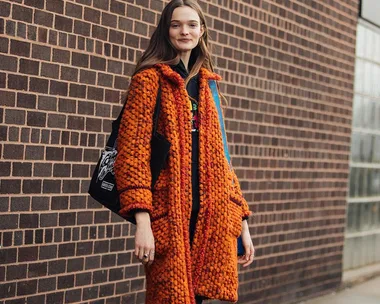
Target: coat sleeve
238 195
132 164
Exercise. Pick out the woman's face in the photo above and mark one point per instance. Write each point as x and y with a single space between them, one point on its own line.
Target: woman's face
185 29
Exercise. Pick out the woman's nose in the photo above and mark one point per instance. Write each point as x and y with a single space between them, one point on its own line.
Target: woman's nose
184 30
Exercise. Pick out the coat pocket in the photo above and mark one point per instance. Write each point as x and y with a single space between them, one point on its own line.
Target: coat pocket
234 208
161 233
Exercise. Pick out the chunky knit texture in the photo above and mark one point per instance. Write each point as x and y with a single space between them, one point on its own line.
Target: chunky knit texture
179 272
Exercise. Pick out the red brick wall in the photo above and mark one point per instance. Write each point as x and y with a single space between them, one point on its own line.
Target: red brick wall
288 73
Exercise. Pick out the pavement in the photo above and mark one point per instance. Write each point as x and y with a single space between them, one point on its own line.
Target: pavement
364 293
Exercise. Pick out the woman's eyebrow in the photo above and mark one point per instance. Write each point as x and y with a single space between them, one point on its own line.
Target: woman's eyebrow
184 21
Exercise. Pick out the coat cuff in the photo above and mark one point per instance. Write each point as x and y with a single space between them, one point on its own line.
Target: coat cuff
133 200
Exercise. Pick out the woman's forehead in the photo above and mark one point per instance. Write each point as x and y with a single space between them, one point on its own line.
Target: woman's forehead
185 14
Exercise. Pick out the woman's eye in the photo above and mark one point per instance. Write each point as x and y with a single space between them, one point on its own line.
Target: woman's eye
174 25
193 25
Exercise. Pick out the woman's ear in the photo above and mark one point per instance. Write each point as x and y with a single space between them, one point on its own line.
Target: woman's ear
202 31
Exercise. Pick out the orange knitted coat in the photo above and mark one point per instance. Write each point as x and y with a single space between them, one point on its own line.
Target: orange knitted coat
178 272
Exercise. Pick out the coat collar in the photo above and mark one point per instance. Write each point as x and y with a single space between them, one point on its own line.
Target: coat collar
168 73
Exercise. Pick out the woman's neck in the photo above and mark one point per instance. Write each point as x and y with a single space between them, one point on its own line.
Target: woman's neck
185 57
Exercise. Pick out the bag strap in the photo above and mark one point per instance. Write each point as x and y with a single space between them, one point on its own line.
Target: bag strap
215 95
157 110
111 142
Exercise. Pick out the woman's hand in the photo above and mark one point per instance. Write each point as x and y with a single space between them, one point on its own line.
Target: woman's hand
247 258
144 239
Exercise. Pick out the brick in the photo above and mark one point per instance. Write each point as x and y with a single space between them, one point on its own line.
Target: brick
13 133
97 63
20 204
35 3
36 299
74 10
88 77
133 12
26 287
22 13
92 15
80 171
8 221
8 290
63 24
3 78
20 48
3 133
55 6
69 74
56 297
132 40
29 66
107 290
61 170
16 272
75 265
48 220
51 186
41 52
36 119
50 252
31 32
67 219
47 103
73 296
13 151
125 24
105 80
99 32
34 153
29 220
60 203
99 276
8 63
47 284
104 5
40 203
5 168
84 248
91 293
10 27
80 60
42 170
22 169
5 9
17 82
16 117
7 98
56 121
76 90
57 267
37 269
38 85
82 28
61 56
28 101
27 254
117 7
75 123
49 70
66 250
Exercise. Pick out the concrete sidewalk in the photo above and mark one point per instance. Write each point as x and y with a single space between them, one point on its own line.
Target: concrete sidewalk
365 293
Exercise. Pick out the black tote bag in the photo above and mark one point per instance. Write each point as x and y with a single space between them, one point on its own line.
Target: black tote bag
103 184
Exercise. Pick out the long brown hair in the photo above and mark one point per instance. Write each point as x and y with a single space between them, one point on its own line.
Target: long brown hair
161 50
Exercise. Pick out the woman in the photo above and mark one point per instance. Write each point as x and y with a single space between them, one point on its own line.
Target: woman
188 224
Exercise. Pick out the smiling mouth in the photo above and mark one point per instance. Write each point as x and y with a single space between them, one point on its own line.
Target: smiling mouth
184 40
